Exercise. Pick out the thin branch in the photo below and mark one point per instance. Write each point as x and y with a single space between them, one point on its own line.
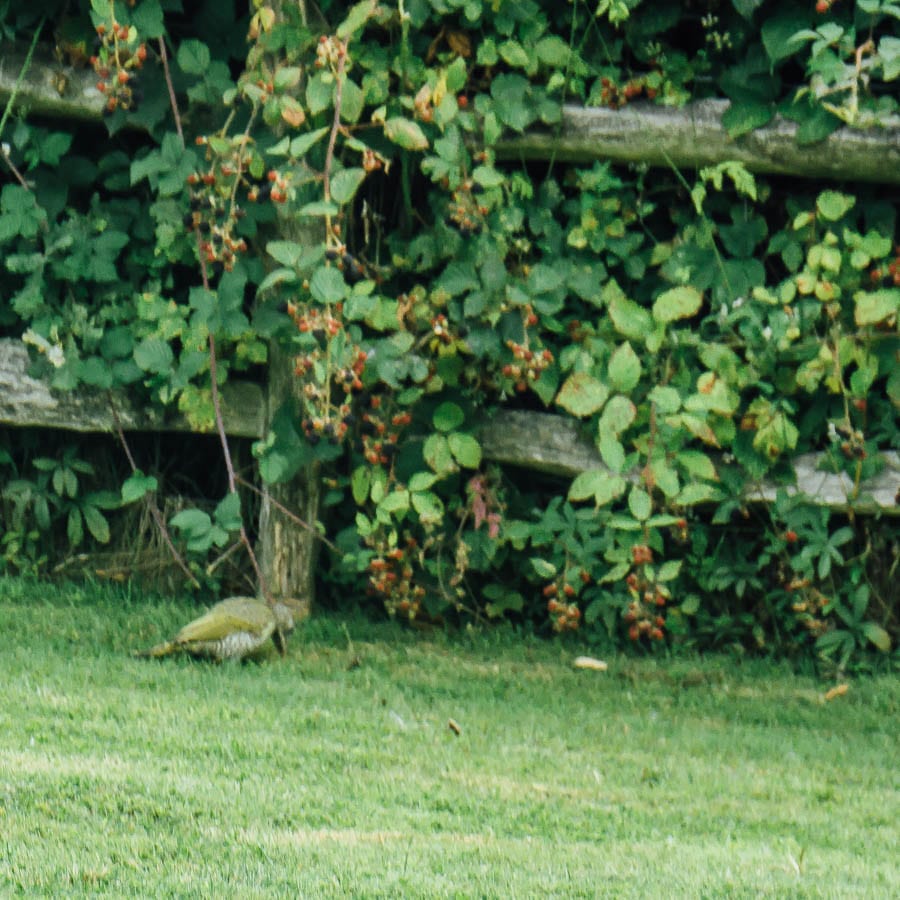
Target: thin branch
336 121
150 499
290 515
22 73
173 100
213 367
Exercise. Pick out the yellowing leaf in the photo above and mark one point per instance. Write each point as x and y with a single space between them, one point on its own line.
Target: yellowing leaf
582 395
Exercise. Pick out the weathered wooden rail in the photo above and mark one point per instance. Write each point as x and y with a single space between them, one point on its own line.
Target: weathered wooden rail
545 442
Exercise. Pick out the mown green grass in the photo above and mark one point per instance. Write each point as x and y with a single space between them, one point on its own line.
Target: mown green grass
313 777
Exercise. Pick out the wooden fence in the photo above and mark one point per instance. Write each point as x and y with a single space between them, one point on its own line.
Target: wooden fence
689 137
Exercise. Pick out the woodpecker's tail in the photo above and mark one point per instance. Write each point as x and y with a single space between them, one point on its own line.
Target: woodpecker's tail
164 649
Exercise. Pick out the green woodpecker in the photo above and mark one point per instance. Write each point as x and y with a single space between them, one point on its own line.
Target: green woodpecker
236 628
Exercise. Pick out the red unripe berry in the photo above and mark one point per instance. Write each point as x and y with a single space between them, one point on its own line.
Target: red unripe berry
791 536
462 101
822 6
568 590
549 590
122 76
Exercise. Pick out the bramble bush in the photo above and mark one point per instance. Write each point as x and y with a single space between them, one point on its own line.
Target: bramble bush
705 328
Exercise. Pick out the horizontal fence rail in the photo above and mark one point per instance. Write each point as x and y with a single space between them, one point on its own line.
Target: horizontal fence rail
544 442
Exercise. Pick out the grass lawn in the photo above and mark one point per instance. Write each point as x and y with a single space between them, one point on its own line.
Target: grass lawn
315 777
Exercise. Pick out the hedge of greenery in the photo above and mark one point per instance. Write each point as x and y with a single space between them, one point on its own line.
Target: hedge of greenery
325 178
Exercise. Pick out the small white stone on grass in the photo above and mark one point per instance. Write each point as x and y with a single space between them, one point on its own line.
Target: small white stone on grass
588 662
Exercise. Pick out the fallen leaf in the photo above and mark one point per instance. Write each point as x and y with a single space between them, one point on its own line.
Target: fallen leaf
588 662
837 691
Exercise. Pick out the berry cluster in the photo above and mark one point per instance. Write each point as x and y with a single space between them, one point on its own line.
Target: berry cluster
117 61
440 327
391 577
810 607
892 274
214 211
564 613
275 188
644 614
354 270
330 51
465 211
381 432
322 365
528 364
615 96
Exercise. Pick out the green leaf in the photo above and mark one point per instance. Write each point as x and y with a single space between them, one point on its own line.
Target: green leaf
147 18
833 205
154 355
96 523
288 253
422 481
193 57
360 481
742 117
677 303
698 464
512 103
640 504
437 454
137 485
514 54
228 512
624 369
669 570
666 399
611 451
287 77
582 395
405 133
465 449
620 412
628 318
553 51
346 183
697 492
875 307
327 285
356 18
543 568
396 502
74 527
598 484
428 506
301 145
319 208
319 93
447 417
778 31
877 635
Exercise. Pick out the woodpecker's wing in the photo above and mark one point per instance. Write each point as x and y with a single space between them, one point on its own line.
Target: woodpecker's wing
228 617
